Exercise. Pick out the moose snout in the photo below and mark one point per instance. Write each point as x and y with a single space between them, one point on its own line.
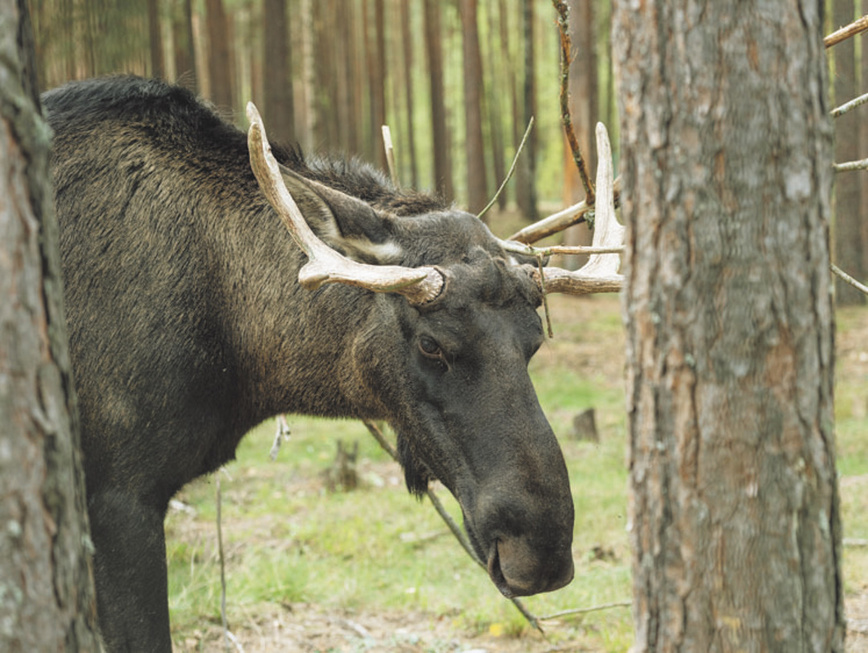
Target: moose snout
525 541
518 568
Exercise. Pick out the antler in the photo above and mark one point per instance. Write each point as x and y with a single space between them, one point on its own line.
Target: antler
325 265
600 273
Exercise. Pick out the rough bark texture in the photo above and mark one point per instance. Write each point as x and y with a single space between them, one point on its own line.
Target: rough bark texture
726 156
474 149
278 110
46 588
219 56
439 134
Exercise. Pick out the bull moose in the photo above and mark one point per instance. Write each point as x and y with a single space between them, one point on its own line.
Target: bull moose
189 324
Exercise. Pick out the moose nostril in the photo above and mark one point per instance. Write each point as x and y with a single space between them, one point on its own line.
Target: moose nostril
496 573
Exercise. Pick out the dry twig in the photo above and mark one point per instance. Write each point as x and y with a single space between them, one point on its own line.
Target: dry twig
846 277
848 106
593 608
390 154
850 166
846 32
511 169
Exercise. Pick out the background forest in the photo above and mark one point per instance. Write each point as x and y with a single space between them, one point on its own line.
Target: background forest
456 80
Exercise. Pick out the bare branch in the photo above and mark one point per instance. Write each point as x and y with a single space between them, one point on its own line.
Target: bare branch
559 221
600 273
846 32
325 265
852 104
851 166
563 10
593 608
846 277
511 169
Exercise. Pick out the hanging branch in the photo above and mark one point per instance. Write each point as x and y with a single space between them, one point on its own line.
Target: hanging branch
566 57
447 518
846 32
593 608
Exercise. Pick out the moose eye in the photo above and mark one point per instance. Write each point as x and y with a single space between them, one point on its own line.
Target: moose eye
429 348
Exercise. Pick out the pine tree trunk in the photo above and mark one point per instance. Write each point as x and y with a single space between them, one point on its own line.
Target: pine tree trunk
278 110
583 109
407 47
525 176
477 192
156 40
848 185
219 56
726 166
46 587
184 46
434 48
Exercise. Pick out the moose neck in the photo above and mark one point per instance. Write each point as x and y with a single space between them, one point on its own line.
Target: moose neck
293 346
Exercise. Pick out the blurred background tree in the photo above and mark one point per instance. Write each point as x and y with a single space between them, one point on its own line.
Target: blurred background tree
456 80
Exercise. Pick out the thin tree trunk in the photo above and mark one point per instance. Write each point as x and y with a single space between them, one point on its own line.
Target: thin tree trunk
46 594
474 148
440 135
220 56
583 109
407 44
184 46
725 160
526 168
158 69
278 108
494 90
848 222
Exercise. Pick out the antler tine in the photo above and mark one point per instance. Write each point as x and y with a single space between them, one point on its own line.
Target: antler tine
600 273
325 265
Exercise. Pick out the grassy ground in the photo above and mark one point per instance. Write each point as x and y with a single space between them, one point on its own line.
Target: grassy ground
375 570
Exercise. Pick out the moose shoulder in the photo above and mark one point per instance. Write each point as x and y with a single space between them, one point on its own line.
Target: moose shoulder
188 326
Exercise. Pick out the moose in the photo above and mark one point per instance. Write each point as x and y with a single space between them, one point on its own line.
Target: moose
193 316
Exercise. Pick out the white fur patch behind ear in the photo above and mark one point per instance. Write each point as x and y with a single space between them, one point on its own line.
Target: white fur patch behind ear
362 249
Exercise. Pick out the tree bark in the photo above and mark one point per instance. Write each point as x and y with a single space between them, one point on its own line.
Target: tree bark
220 56
184 47
525 176
477 191
155 39
407 46
278 110
46 585
848 185
583 108
434 48
726 153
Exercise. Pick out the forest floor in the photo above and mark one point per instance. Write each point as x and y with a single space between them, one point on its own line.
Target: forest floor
291 626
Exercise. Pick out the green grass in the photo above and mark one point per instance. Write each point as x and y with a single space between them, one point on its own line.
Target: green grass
287 540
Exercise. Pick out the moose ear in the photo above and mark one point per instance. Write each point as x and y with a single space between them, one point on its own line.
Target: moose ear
344 222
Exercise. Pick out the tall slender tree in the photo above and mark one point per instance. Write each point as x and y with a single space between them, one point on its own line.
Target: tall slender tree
278 109
726 167
439 133
407 49
220 67
46 593
526 170
183 45
474 148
